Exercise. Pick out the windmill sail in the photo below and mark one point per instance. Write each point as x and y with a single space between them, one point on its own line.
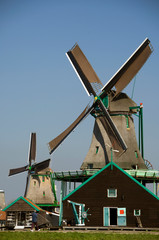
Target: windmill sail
32 148
60 138
27 184
116 139
17 170
84 70
129 69
42 165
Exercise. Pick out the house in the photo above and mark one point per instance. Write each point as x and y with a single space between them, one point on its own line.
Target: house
111 197
2 218
19 214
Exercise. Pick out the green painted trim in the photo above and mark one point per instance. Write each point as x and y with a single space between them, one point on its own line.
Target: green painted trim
23 200
31 204
137 107
97 149
41 175
142 133
127 121
53 187
115 165
136 154
48 205
106 101
136 181
12 203
89 179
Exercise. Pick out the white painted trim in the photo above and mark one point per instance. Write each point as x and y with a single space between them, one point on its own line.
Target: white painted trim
123 64
137 215
112 196
77 74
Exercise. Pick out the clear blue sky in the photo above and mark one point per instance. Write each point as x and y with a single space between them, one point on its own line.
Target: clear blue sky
40 91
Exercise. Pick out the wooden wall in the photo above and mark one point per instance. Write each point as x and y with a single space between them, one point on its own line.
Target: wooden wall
130 195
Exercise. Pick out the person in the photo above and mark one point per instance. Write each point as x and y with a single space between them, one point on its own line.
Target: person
34 221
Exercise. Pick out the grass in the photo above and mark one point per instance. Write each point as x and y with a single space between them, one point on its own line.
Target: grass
75 235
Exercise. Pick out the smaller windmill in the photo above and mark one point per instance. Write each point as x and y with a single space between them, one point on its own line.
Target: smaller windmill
39 184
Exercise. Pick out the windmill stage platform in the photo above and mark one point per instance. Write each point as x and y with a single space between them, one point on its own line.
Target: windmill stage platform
80 176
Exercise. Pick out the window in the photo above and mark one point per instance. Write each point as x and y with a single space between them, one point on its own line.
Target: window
43 193
43 178
137 212
34 183
90 166
112 193
136 154
97 148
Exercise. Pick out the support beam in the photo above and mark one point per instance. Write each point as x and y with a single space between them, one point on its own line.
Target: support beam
154 187
69 186
142 131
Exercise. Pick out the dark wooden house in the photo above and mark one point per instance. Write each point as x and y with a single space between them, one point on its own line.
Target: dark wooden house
111 197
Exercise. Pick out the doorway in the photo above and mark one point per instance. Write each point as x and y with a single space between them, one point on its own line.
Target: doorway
21 218
113 216
110 216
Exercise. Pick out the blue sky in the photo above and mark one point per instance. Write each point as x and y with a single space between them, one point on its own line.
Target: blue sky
40 91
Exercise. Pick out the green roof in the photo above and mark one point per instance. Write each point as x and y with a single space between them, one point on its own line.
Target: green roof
101 170
32 204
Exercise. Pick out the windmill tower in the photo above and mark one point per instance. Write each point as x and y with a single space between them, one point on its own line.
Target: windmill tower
114 127
40 186
100 152
2 199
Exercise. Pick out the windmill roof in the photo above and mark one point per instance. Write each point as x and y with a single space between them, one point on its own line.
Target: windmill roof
32 204
101 170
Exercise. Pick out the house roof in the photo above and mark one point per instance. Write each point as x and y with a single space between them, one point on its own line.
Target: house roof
111 164
28 201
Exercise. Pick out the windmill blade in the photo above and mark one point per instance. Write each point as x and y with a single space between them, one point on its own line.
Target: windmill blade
129 69
117 141
84 70
17 170
60 138
27 184
42 165
32 148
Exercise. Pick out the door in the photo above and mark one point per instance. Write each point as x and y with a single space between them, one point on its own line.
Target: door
114 216
106 216
121 216
110 216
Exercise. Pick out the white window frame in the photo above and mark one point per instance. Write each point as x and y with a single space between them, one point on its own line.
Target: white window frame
108 194
137 215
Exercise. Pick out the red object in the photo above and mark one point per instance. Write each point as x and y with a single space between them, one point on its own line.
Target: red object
121 211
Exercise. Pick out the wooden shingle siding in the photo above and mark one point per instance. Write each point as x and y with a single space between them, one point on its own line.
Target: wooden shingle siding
20 205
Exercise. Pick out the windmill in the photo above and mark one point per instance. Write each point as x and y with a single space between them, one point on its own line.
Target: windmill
39 184
112 109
